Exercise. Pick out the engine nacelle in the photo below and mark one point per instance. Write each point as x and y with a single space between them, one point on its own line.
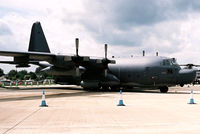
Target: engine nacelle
63 62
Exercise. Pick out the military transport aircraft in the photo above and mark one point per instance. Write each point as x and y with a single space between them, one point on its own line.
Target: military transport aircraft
90 73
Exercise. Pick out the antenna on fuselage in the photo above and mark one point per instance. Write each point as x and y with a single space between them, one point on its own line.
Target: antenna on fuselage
156 53
143 53
77 44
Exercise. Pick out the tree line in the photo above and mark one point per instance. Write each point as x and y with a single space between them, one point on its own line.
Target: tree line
25 75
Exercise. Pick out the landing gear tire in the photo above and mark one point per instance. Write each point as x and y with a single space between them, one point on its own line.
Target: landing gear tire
164 89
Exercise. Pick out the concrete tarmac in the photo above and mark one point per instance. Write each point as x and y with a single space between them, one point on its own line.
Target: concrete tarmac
75 111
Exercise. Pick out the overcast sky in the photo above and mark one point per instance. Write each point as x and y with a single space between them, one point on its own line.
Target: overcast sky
171 27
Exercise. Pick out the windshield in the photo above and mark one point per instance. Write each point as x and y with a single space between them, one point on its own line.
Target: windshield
169 62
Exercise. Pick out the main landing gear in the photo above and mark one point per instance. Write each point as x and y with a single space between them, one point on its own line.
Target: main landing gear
163 89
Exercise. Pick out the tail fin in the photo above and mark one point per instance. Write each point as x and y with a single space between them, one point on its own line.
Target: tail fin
38 41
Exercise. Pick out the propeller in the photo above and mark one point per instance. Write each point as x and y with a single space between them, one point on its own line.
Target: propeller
106 61
79 59
77 46
189 66
77 71
106 49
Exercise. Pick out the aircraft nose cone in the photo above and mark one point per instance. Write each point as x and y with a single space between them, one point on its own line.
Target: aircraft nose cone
187 76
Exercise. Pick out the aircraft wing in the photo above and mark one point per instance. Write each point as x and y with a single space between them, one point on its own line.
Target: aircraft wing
39 51
42 65
30 55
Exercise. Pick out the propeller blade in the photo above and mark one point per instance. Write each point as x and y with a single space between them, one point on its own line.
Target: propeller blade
106 72
106 48
77 71
77 45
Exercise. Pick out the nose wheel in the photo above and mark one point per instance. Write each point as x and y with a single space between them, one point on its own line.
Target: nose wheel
163 89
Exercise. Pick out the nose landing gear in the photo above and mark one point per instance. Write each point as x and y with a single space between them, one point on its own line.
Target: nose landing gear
163 89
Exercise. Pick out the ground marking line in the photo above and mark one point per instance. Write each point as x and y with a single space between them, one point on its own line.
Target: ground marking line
22 120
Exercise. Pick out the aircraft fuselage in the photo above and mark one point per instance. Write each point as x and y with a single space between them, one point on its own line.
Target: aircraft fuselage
151 71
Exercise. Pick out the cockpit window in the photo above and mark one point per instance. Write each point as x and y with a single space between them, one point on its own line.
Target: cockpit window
169 62
166 63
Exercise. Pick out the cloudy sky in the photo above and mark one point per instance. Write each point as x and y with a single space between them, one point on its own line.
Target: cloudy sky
171 27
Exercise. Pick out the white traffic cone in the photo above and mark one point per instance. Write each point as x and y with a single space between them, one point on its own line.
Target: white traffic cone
43 104
120 100
191 98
